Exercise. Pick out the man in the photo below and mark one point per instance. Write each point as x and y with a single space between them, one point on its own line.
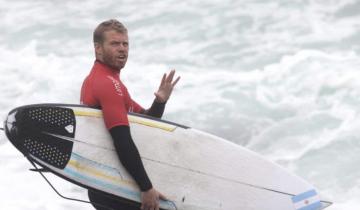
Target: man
103 89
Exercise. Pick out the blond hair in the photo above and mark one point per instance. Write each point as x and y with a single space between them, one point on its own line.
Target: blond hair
108 25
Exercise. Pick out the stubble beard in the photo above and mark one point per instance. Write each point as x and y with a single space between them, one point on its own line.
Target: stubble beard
112 61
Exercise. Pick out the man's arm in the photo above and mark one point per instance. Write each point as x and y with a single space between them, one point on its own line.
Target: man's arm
156 109
115 116
129 156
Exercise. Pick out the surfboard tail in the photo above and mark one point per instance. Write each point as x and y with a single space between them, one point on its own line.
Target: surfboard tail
325 204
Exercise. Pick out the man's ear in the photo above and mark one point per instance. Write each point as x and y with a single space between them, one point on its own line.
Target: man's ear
98 49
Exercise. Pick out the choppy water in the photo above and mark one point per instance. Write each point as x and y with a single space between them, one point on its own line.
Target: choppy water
278 77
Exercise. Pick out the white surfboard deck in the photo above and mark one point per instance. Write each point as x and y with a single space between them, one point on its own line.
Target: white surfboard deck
194 169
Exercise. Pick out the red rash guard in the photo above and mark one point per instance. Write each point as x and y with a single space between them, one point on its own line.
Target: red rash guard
103 89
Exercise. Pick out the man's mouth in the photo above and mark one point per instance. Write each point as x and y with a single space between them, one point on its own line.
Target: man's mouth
121 57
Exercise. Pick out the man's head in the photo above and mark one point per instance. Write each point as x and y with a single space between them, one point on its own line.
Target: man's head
111 43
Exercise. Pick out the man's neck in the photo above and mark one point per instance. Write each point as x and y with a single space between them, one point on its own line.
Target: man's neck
108 66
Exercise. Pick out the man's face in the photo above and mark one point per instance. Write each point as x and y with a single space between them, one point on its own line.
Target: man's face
114 50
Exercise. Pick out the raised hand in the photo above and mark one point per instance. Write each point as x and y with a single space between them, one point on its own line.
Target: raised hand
166 86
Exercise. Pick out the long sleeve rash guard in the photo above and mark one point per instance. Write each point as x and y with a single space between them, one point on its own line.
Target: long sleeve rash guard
103 89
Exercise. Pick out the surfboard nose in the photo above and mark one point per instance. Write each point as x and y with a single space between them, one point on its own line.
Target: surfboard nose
16 128
11 129
42 133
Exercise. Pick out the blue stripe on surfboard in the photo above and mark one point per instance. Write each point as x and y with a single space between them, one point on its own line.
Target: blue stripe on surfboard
303 196
104 185
101 184
109 170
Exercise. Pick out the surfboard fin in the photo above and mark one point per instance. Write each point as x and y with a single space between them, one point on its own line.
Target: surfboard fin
39 170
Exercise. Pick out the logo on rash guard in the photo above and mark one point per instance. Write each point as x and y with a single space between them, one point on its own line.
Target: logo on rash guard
116 85
131 109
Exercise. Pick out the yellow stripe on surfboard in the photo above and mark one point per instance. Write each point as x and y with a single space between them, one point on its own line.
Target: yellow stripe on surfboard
151 123
88 114
132 119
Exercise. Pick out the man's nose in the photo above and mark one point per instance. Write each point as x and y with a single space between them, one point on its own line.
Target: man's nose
122 47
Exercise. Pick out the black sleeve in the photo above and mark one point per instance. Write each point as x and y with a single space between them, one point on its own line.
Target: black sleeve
156 109
129 156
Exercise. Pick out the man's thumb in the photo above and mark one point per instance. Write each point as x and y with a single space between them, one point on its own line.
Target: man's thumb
162 197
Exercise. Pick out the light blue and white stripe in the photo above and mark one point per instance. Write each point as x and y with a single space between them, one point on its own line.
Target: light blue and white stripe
308 200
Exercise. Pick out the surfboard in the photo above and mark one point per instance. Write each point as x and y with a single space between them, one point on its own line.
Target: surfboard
195 169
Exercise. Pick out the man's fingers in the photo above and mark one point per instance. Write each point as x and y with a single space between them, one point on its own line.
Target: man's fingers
148 206
163 80
157 206
174 83
171 76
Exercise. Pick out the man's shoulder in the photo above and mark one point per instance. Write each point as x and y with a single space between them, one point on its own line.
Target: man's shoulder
99 77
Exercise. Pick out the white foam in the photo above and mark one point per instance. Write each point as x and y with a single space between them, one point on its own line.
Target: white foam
278 77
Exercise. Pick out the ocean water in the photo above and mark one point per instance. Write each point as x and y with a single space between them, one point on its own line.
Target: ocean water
278 77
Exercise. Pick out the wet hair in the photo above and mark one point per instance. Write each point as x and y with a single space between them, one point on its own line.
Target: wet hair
107 25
